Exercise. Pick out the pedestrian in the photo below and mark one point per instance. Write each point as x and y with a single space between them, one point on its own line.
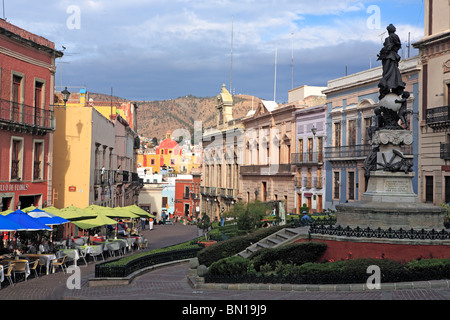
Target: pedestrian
143 223
150 224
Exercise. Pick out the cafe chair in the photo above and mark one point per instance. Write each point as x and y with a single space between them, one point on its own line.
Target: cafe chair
112 248
143 244
20 266
34 267
97 251
9 274
60 262
82 254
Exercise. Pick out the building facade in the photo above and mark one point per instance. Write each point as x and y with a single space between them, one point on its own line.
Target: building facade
311 139
434 111
27 74
350 107
267 172
222 155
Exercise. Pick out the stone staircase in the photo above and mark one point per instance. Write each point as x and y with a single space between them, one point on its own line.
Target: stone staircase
282 237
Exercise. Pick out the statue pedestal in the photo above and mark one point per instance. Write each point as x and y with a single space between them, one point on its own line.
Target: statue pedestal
389 201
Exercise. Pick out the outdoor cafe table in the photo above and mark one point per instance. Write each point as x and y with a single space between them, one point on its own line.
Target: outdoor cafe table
44 258
72 255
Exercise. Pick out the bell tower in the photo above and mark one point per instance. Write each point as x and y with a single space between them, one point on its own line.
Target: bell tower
224 106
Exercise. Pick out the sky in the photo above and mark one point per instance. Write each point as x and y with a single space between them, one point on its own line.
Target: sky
149 50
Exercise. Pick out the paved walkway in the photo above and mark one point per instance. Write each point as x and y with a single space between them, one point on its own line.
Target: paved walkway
169 283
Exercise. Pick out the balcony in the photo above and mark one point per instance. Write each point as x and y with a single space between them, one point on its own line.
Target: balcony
438 117
25 118
445 151
275 169
312 158
348 152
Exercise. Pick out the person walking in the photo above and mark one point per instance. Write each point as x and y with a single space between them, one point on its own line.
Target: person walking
150 224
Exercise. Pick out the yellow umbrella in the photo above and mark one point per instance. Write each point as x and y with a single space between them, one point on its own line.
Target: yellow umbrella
98 221
73 213
139 211
6 212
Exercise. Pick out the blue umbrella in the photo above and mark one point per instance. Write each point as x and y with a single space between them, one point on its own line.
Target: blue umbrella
28 223
46 218
7 225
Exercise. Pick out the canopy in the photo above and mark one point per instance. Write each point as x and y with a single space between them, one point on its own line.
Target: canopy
98 221
73 213
46 217
139 211
8 225
28 223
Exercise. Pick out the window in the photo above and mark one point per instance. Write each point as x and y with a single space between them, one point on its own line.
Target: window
300 150
337 134
16 98
186 192
16 157
37 162
352 132
38 91
320 149
351 185
429 185
310 149
336 185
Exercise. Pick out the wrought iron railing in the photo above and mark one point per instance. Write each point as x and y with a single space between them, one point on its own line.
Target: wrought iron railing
445 151
307 158
266 169
19 113
439 114
379 233
356 151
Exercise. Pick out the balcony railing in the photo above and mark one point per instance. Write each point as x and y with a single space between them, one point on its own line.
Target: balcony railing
445 151
438 115
21 114
266 169
307 158
356 151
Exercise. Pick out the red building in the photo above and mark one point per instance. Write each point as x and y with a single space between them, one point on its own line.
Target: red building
27 75
187 197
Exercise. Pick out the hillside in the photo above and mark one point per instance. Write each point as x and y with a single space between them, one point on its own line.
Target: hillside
156 117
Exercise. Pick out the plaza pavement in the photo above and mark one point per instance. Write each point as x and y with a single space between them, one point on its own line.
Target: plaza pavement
170 283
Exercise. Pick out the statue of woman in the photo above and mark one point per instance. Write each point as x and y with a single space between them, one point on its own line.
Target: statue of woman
392 78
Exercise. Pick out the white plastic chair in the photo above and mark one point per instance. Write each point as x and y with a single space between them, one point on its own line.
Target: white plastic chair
97 251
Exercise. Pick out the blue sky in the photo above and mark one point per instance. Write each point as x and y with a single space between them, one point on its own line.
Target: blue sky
164 49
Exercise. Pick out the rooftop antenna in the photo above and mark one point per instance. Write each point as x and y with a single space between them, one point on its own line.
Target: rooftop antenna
292 76
4 15
275 81
231 63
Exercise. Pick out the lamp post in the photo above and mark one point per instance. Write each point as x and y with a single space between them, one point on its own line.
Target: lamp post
66 95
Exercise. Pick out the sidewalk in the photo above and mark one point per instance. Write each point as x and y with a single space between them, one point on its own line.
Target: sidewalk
53 286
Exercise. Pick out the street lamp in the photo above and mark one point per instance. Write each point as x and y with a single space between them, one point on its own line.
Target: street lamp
66 95
314 130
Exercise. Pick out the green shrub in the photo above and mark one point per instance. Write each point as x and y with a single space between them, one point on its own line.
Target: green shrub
233 246
297 254
231 266
429 269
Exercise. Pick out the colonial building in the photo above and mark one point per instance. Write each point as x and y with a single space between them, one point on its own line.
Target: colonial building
350 107
27 75
222 155
434 111
96 162
267 173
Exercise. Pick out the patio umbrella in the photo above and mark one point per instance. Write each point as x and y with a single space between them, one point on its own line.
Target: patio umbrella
8 225
73 213
139 211
98 221
120 212
46 217
28 223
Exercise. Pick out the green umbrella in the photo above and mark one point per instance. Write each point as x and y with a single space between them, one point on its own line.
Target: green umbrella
73 213
120 212
98 221
139 211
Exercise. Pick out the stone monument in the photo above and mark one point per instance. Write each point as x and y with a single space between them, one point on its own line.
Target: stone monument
390 201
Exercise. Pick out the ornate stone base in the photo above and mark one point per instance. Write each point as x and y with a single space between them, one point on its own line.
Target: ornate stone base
390 202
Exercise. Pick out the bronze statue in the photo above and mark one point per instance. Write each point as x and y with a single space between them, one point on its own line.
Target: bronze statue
392 79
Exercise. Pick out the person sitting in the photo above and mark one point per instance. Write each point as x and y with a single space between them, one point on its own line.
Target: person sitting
121 228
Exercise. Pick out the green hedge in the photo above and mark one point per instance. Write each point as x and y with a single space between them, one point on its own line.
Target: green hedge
233 246
344 271
297 254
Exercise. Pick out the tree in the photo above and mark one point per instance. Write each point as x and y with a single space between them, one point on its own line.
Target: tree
204 223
